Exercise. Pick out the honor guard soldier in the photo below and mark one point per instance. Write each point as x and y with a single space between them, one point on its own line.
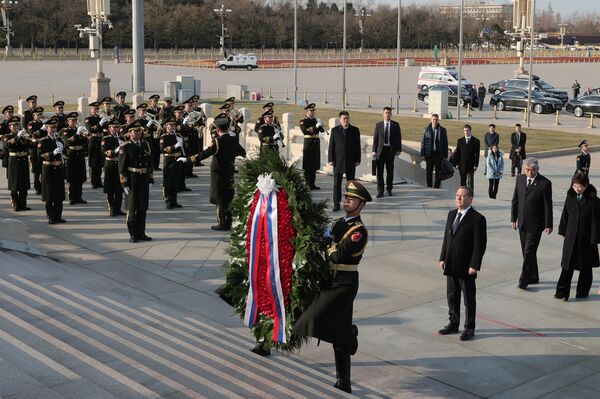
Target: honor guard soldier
28 113
224 149
146 121
584 159
167 107
129 118
268 132
120 107
311 153
111 146
155 111
171 146
194 120
236 116
60 115
35 131
95 134
51 150
106 108
17 148
329 317
267 107
135 174
75 151
8 112
184 130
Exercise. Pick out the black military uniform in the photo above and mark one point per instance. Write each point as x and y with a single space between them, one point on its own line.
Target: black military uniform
96 159
8 112
111 145
28 113
75 152
167 108
135 173
261 120
34 128
60 116
156 112
185 132
583 160
119 109
17 151
171 146
224 149
192 143
129 118
311 153
235 115
329 317
50 149
269 134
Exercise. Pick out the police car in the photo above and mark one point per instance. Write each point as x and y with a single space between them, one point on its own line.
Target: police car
246 61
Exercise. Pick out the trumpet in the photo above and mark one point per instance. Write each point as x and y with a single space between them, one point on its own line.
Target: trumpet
153 120
195 119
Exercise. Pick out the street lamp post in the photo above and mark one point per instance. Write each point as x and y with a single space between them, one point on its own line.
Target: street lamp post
137 22
221 12
5 6
398 47
362 15
532 31
460 49
344 59
563 31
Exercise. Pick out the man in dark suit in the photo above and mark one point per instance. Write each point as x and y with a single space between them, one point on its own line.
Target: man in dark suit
466 157
465 240
531 213
344 154
517 149
434 148
387 143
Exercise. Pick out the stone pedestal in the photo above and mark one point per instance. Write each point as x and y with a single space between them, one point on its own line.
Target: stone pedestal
8 51
99 88
287 124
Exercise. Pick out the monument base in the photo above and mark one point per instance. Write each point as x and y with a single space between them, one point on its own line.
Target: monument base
99 88
8 51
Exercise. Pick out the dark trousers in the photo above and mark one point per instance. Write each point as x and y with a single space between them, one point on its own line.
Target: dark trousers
224 218
310 176
37 182
19 199
480 100
136 223
337 184
493 189
114 202
529 245
516 163
385 160
434 161
584 282
96 176
155 147
170 195
54 210
75 191
467 179
454 286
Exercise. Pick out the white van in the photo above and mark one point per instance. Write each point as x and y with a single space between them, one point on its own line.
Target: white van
444 75
247 61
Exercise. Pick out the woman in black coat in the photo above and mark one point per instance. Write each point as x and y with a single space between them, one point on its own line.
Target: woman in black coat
580 227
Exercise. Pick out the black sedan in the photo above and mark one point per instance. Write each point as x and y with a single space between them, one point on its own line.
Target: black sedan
517 99
584 105
423 95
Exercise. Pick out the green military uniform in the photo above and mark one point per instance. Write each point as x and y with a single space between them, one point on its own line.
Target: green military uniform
75 152
269 134
50 150
171 146
583 160
111 146
311 153
17 151
120 109
95 157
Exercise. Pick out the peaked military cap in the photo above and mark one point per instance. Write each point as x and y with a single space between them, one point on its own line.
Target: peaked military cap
59 104
129 112
135 125
106 100
268 105
14 119
225 106
195 97
154 97
222 121
230 100
114 122
167 98
170 119
178 108
121 94
142 106
310 107
584 142
31 98
189 100
51 122
268 112
72 115
8 108
38 110
357 190
94 104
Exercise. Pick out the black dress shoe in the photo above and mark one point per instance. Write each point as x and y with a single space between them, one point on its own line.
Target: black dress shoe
178 206
315 188
145 238
354 347
157 169
193 176
120 213
259 350
336 207
61 220
82 201
467 334
559 296
580 296
218 227
133 239
379 195
343 385
52 221
535 281
72 202
449 329
522 286
169 206
38 192
186 189
389 193
16 209
26 208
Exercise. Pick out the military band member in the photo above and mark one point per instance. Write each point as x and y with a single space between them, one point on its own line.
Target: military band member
8 112
184 130
129 118
17 148
168 107
28 113
135 174
268 132
329 317
74 154
155 111
106 108
51 149
260 121
95 134
194 123
236 116
60 115
111 145
171 146
36 132
224 149
584 159
311 153
120 107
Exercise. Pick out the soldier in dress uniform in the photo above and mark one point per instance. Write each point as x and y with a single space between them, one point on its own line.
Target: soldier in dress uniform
236 117
135 174
129 116
171 146
260 121
329 317
156 112
95 134
106 108
50 149
75 151
36 132
111 145
28 113
184 130
60 115
584 159
168 107
311 153
120 107
17 144
224 149
268 133
8 112
193 144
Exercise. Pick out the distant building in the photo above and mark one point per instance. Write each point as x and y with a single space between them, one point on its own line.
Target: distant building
481 10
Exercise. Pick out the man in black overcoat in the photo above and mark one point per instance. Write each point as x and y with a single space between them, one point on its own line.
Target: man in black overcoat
434 149
465 240
466 157
387 143
531 214
311 152
344 154
51 149
518 139
171 146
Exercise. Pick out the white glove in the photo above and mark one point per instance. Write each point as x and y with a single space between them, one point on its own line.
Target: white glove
126 190
104 120
319 124
60 145
43 127
57 151
276 136
186 121
118 148
21 133
182 159
150 123
80 130
327 233
121 142
178 144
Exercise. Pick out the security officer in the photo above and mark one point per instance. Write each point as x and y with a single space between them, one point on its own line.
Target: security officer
184 130
120 107
584 159
74 154
224 149
51 149
95 134
311 153
171 146
260 121
28 113
135 174
18 144
329 317
36 132
111 145
268 132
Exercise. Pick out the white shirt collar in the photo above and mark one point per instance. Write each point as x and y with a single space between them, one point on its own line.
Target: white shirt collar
464 211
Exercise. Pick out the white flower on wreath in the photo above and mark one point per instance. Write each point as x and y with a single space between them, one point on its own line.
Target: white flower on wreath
266 184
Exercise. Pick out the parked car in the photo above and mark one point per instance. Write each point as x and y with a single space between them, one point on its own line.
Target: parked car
446 75
246 61
584 105
423 94
546 89
517 99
